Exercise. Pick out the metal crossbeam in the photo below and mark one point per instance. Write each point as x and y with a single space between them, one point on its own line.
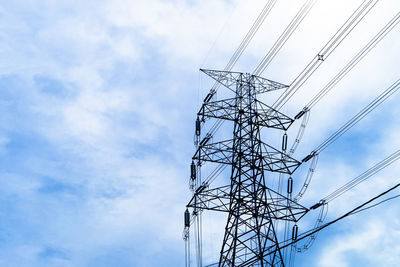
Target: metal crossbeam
218 199
264 115
223 151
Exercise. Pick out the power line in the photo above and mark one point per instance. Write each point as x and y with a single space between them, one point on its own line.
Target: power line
363 176
363 9
377 204
356 59
250 34
352 212
359 116
289 30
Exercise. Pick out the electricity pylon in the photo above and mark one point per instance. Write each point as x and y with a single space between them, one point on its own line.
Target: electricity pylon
254 209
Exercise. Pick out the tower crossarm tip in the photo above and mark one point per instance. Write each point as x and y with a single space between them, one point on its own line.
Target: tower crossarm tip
222 152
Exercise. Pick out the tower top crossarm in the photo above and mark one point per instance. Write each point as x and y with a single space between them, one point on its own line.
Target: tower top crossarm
229 79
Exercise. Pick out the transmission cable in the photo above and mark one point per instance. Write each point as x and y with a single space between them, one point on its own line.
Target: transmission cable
377 204
352 212
363 176
289 30
359 116
363 9
249 36
361 54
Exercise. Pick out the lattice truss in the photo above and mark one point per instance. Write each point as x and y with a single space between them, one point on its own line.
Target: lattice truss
253 209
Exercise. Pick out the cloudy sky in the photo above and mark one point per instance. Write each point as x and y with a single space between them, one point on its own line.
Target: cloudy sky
97 109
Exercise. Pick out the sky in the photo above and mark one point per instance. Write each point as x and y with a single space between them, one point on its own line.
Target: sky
97 109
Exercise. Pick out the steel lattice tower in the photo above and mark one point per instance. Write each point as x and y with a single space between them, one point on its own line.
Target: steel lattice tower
253 208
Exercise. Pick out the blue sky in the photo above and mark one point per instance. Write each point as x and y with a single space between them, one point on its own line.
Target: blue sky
97 108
